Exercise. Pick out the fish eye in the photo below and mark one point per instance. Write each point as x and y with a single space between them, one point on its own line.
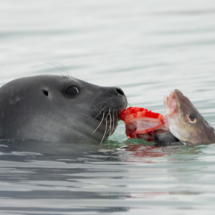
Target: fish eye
72 91
192 118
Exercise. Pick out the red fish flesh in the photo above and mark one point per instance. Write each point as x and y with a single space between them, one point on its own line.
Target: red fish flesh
143 123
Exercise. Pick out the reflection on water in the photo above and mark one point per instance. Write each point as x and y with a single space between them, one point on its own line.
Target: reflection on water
146 47
51 177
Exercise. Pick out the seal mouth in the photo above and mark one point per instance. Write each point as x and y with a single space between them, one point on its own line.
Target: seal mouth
108 117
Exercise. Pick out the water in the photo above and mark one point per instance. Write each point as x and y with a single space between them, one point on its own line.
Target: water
146 47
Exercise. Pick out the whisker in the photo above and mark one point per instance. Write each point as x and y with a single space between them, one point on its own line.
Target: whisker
65 69
99 112
104 132
100 122
60 69
110 125
113 127
109 128
106 118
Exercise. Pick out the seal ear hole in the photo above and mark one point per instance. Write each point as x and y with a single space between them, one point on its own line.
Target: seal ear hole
46 92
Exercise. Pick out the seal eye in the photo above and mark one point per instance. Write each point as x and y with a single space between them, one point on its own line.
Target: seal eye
192 118
72 91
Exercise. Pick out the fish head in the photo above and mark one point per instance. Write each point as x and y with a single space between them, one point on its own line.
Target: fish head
184 120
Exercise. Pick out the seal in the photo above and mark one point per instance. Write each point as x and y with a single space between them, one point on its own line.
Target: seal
59 109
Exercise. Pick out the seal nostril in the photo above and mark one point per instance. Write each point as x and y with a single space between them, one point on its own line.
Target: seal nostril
46 92
120 92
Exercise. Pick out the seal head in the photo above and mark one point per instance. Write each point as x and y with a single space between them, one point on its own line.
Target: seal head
59 109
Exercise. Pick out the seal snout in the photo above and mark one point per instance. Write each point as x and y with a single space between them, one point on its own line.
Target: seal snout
120 92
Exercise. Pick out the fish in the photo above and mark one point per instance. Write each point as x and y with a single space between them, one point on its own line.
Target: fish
142 123
185 122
